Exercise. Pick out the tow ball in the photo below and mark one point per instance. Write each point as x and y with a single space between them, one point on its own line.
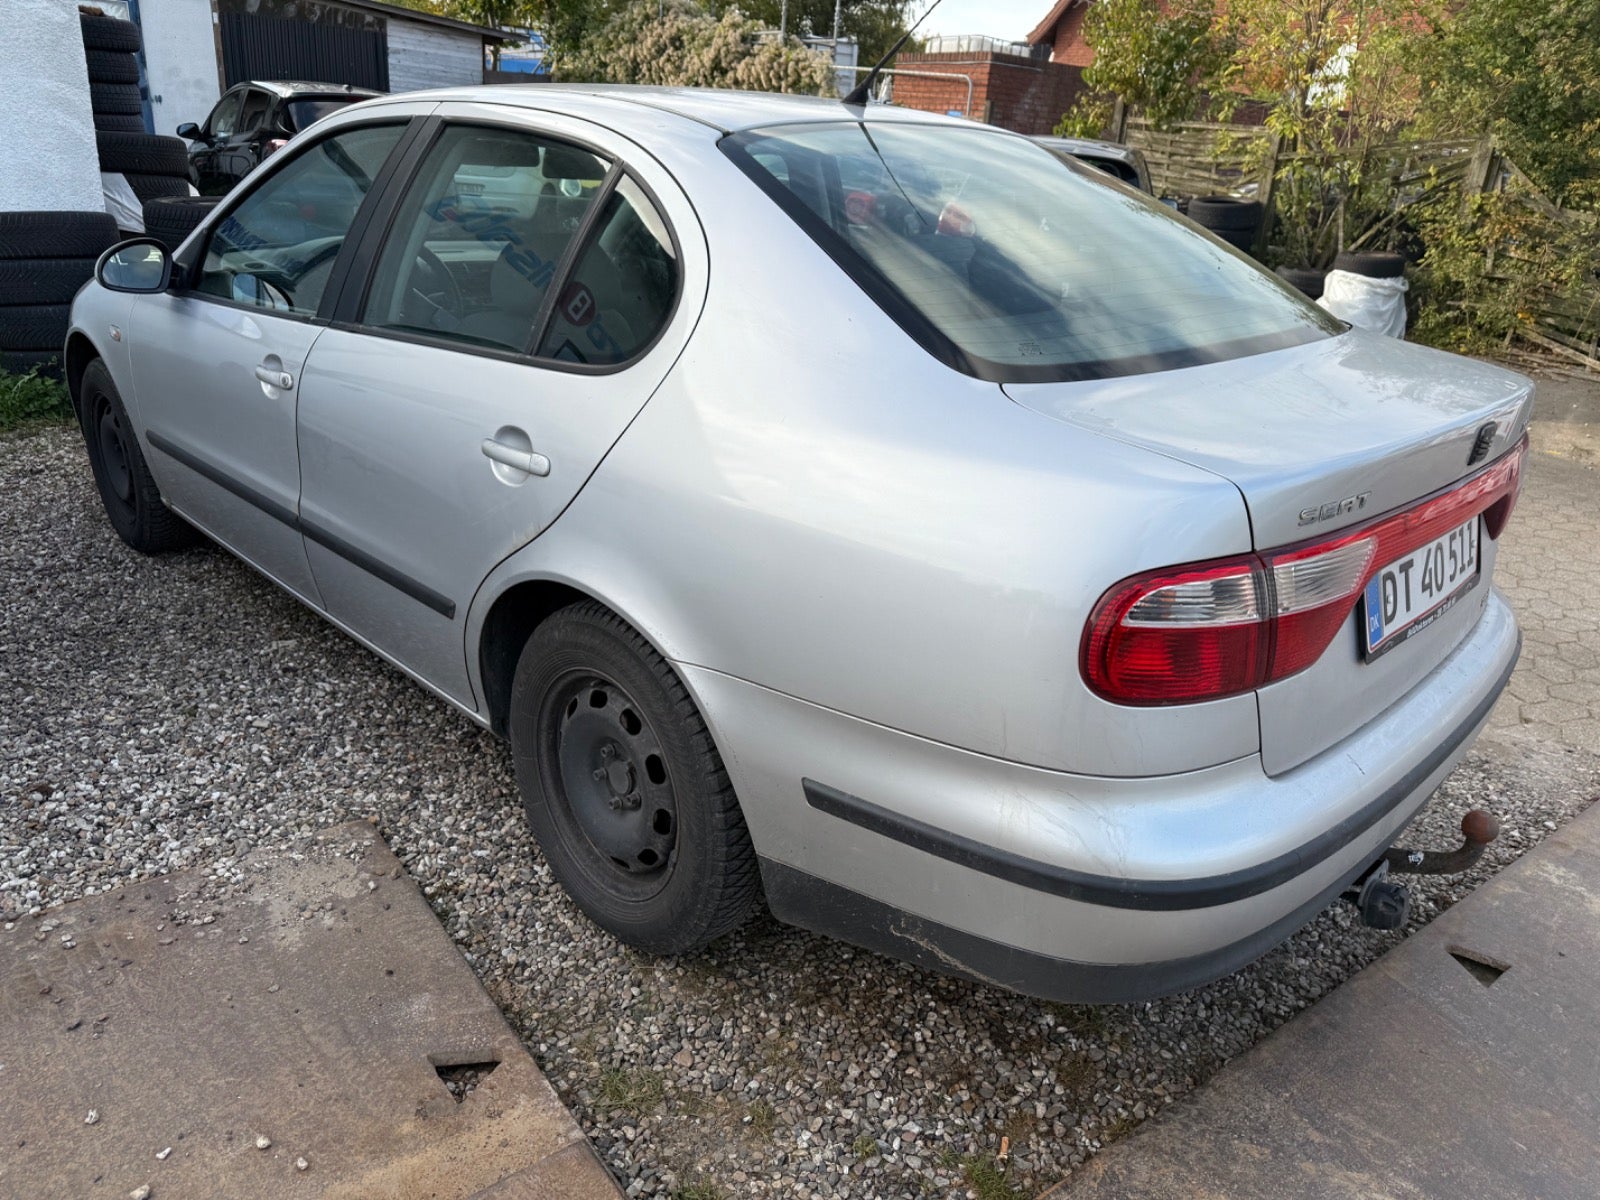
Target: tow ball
1386 904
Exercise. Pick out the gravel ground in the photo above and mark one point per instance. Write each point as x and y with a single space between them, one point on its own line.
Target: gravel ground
160 714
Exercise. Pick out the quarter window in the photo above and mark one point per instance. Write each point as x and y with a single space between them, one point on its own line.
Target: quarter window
478 238
276 250
622 290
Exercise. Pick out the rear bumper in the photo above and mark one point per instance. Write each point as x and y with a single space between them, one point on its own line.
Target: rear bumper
1076 888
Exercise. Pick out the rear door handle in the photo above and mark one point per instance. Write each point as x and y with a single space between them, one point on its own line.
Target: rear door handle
522 460
275 377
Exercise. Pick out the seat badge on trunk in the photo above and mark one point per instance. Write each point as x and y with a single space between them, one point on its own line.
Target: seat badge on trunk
1481 443
1334 508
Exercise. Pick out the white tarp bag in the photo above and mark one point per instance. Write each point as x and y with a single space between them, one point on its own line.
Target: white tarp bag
1367 303
121 203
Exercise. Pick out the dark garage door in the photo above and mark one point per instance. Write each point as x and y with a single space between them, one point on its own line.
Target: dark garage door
262 47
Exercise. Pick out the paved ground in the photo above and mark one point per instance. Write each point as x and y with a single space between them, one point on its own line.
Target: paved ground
158 715
1462 1065
296 1025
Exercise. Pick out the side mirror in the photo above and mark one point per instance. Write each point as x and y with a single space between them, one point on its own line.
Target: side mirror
191 131
140 265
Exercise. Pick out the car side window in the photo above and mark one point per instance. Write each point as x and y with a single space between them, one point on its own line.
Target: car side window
478 236
277 248
224 118
254 111
622 290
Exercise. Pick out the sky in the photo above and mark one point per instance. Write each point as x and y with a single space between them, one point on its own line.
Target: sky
1009 19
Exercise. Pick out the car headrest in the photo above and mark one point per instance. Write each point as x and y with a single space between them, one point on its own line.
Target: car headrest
498 150
568 162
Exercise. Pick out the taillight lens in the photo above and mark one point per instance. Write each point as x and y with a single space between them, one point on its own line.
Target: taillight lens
1214 629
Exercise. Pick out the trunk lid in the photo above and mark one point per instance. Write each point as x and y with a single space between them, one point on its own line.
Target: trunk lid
1319 438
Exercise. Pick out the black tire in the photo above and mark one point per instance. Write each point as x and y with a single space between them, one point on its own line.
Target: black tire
142 154
1305 279
110 98
1239 239
111 66
119 122
156 187
671 871
1217 213
20 362
172 219
1374 264
108 33
129 493
31 326
43 281
25 235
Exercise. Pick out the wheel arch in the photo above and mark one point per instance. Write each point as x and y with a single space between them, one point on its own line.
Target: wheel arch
80 353
507 626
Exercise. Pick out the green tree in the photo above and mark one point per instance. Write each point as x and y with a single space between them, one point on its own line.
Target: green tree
1161 56
875 24
675 43
1527 72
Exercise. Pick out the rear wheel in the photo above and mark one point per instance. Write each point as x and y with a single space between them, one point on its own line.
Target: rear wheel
623 787
127 489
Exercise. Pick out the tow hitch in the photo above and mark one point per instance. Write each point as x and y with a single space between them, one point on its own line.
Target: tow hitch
1384 903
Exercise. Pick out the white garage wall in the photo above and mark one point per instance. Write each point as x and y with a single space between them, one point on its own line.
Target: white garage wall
47 150
180 51
425 56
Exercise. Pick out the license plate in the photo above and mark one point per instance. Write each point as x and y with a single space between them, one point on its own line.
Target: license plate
1413 592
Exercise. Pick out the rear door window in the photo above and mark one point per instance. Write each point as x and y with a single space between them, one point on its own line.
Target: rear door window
622 290
475 244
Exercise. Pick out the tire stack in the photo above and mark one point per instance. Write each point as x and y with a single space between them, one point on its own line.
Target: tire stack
45 257
154 166
1234 221
1374 264
171 219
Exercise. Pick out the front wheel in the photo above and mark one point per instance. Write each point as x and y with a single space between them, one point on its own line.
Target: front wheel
623 788
127 489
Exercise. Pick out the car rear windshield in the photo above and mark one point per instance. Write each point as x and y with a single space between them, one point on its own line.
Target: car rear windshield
1011 265
303 114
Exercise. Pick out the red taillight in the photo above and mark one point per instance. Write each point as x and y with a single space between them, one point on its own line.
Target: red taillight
1214 629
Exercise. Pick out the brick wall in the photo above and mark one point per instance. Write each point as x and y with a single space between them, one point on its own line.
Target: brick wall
1022 94
1069 46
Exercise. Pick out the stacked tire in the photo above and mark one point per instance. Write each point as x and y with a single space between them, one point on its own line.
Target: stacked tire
154 166
172 218
1234 221
45 257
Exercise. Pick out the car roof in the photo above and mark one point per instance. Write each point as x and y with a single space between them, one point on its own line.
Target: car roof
1088 147
302 87
723 109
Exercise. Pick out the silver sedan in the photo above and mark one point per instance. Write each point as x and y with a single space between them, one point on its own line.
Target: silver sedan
858 511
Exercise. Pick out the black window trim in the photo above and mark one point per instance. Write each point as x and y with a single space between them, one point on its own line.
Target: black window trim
933 340
346 315
187 269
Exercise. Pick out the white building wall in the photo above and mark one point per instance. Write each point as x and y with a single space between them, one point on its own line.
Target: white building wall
425 56
180 51
47 150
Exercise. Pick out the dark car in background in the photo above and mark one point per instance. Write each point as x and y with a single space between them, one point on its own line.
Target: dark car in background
1118 161
253 119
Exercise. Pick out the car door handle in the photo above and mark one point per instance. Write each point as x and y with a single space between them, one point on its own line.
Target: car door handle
275 377
521 460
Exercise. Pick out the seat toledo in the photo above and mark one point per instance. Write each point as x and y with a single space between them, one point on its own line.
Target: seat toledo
857 510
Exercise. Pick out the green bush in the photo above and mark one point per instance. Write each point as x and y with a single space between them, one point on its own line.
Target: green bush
31 399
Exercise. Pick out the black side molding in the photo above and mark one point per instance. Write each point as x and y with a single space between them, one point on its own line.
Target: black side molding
418 591
1148 895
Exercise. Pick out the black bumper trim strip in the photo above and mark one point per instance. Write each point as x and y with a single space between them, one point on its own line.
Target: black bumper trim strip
1148 895
419 592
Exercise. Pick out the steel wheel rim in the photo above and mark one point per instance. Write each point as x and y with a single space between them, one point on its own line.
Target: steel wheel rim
613 781
114 452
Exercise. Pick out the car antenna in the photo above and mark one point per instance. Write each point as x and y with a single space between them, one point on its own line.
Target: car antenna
860 93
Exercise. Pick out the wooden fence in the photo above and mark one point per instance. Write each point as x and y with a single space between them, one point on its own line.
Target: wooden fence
1198 158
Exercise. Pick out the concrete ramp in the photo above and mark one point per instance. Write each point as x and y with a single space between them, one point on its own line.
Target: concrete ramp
1463 1065
297 1026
